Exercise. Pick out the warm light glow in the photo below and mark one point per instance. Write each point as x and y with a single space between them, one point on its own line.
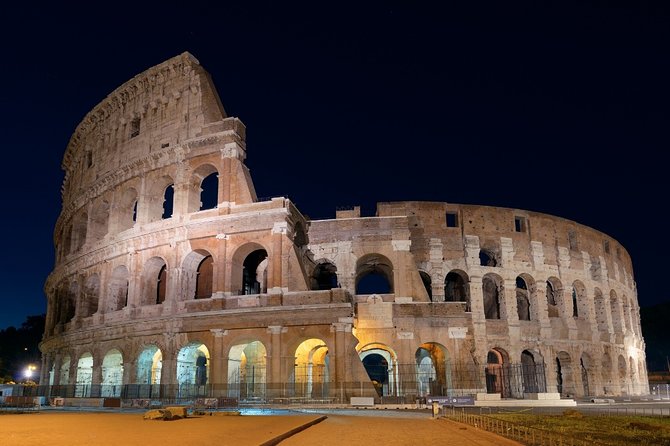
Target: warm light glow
30 369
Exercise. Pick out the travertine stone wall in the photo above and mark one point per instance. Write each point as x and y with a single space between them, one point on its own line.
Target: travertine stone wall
463 282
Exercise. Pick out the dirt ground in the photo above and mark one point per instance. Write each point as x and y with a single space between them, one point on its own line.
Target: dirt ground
102 429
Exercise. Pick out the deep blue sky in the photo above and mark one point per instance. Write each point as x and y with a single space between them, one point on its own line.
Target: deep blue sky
557 107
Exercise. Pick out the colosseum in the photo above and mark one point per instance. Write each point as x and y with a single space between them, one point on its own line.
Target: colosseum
173 280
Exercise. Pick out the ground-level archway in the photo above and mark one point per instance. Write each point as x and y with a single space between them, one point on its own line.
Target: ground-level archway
433 377
247 371
192 369
311 370
84 376
380 363
112 374
497 381
565 384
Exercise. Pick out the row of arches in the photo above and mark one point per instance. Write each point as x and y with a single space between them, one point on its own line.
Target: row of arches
249 276
307 372
116 212
246 371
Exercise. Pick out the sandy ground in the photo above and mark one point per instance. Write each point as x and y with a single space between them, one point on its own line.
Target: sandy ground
102 429
390 431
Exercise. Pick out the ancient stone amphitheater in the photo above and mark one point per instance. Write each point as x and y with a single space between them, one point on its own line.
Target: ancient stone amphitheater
173 280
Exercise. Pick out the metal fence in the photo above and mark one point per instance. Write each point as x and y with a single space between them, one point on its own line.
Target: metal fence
523 434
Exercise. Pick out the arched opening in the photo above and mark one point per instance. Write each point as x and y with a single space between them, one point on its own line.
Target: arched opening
154 281
374 275
456 288
91 295
492 289
487 258
554 290
66 299
585 367
324 276
532 372
564 382
79 228
427 283
161 285
64 373
203 279
127 209
192 369
149 365
254 273
380 364
66 241
497 381
168 202
112 374
118 289
522 299
376 367
159 198
311 374
209 191
84 376
203 189
198 275
99 223
247 371
433 374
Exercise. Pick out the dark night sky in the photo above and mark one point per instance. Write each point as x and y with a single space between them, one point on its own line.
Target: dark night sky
556 107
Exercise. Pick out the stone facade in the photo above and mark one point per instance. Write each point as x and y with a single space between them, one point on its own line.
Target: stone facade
157 283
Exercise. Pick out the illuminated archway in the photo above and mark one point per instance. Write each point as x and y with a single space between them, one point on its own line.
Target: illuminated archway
149 365
311 374
433 374
112 374
247 371
84 375
192 369
381 365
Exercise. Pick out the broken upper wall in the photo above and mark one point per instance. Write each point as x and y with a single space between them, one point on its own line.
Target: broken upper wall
156 110
559 236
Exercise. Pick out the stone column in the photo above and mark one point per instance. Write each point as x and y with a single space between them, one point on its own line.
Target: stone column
134 280
219 362
46 359
437 272
478 320
129 370
400 269
275 353
58 358
540 308
406 364
275 268
509 298
169 372
96 375
219 278
343 372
